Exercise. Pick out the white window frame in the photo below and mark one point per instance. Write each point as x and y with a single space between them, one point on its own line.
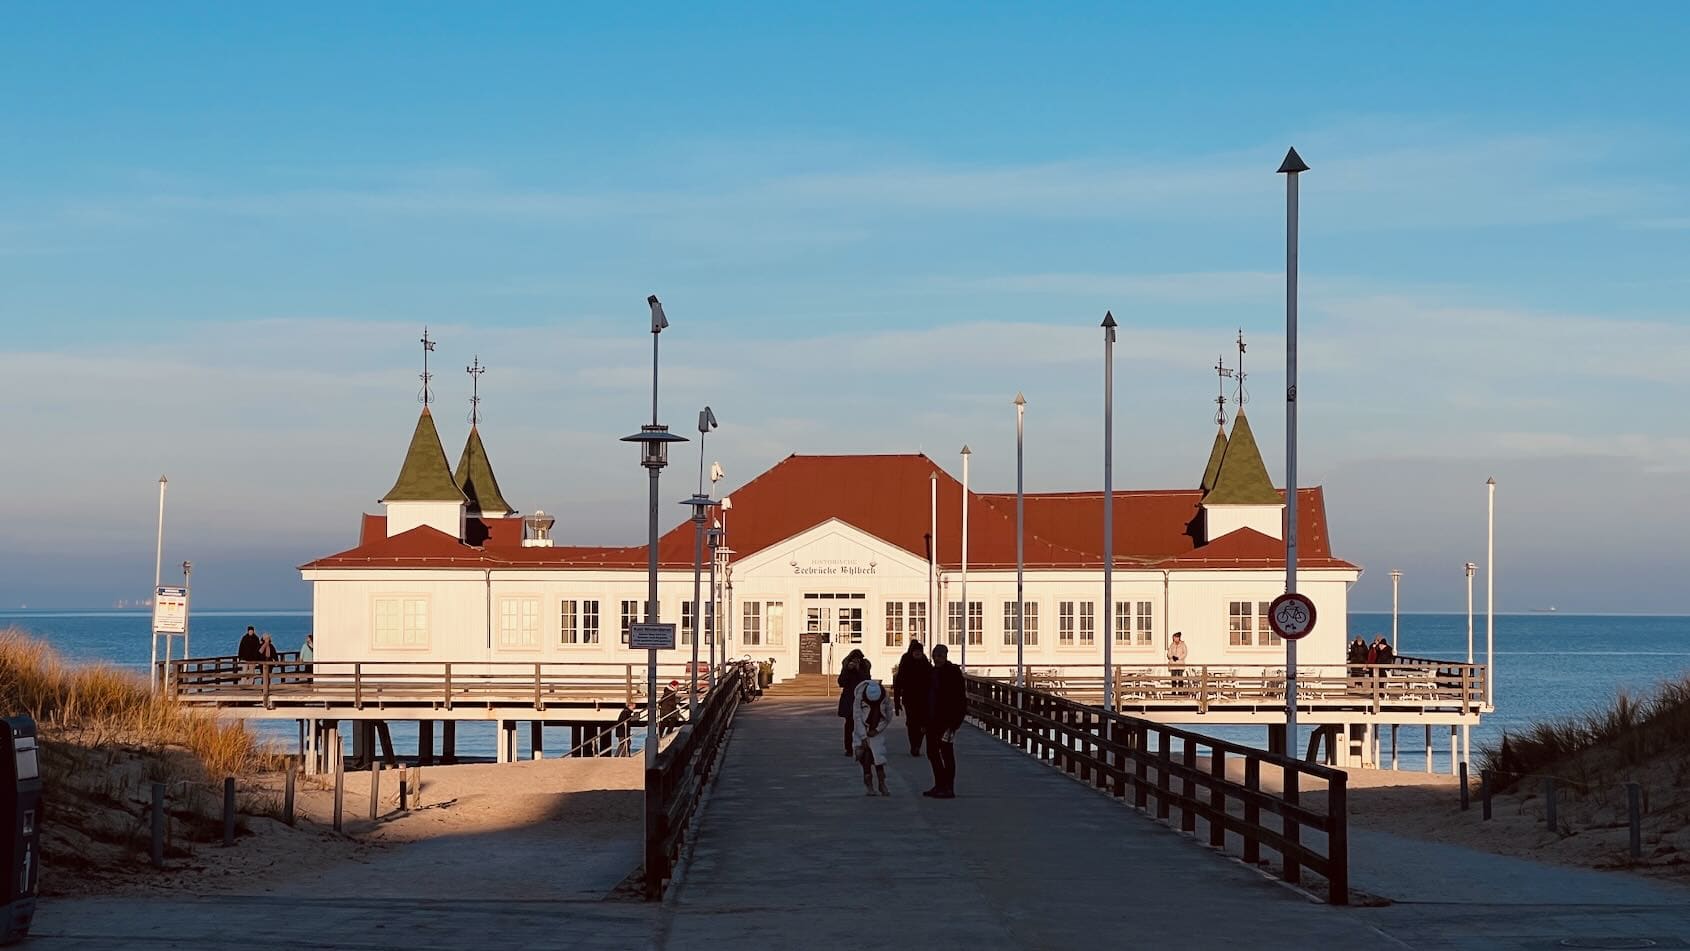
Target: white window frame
527 623
628 617
1146 623
1065 624
915 621
1029 623
1088 624
774 623
751 624
894 626
411 637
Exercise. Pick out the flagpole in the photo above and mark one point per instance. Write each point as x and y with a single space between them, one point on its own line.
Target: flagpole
158 578
1108 510
966 626
1020 560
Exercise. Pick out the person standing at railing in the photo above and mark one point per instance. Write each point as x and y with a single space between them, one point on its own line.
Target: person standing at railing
624 729
1177 649
950 708
668 707
307 653
912 693
250 652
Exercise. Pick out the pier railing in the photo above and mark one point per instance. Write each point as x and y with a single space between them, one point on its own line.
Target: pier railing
1410 685
1228 786
673 786
228 682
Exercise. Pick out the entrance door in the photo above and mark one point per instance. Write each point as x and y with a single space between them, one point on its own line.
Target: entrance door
810 642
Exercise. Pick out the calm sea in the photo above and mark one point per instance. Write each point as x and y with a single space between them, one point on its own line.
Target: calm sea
1547 665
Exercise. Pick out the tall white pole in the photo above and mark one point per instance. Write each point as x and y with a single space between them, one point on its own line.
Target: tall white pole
934 623
1292 167
1020 560
1108 510
1471 568
1490 594
966 626
158 577
1396 578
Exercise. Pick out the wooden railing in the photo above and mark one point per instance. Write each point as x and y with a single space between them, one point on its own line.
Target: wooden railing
1167 769
1409 685
228 682
672 787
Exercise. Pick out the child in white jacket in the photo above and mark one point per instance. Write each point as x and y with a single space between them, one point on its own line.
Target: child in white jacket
871 714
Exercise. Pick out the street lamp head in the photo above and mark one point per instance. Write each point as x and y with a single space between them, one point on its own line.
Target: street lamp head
1471 568
1293 164
701 506
654 440
658 321
706 420
1396 574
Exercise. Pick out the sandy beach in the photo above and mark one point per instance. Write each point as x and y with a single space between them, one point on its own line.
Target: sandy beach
471 830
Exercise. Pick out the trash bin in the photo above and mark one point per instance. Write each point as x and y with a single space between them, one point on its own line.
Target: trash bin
20 817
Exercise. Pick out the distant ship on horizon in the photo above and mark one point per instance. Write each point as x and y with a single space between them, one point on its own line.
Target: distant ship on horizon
1548 610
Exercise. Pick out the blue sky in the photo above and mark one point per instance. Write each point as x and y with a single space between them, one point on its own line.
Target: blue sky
221 230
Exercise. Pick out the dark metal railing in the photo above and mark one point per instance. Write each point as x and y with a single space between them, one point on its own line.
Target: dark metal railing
673 786
1170 769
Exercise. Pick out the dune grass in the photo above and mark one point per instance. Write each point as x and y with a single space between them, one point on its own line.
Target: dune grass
105 738
1600 745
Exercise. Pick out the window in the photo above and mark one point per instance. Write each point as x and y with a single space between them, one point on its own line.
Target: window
894 624
849 624
686 621
630 617
976 622
1264 631
1247 625
519 623
751 624
401 622
1123 622
1088 623
918 621
774 620
1146 625
1029 621
589 622
579 621
1065 623
953 623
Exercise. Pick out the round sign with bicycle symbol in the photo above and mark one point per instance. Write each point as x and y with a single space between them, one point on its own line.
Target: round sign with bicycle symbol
1291 615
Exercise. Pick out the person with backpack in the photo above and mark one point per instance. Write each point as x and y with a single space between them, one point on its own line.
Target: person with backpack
950 708
871 715
853 671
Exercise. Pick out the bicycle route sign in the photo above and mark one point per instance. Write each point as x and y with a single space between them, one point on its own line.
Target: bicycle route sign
1291 616
643 637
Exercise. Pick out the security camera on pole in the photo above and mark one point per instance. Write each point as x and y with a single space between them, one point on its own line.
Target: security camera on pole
701 506
654 439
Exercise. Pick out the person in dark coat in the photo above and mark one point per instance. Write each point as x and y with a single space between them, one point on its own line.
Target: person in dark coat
949 709
668 707
1357 657
912 693
852 672
249 653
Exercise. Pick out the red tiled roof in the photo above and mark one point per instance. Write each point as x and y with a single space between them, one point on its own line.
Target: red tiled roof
887 496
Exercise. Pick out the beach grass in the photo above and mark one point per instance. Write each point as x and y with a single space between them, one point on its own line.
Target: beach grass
105 738
1599 746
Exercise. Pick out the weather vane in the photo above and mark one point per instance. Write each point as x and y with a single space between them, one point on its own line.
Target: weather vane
475 369
1222 374
1242 396
428 347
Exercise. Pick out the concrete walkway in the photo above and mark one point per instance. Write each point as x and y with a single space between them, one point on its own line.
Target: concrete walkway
792 851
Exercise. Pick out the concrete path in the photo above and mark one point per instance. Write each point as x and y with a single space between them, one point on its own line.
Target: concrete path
792 851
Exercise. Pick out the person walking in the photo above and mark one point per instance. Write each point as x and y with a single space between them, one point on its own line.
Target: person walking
853 671
912 694
668 707
949 708
871 715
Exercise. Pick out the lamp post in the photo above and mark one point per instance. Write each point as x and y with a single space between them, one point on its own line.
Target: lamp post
1291 168
934 604
188 591
1490 594
967 628
1471 569
701 505
1396 579
158 577
1020 561
715 541
654 439
1108 510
